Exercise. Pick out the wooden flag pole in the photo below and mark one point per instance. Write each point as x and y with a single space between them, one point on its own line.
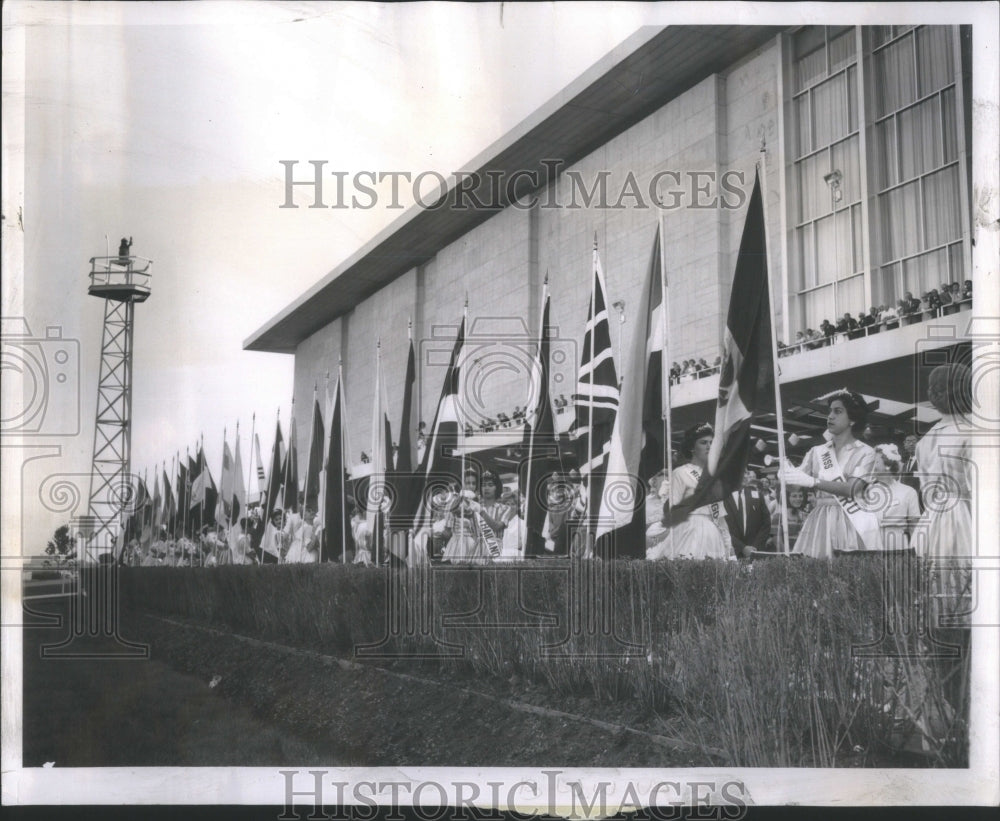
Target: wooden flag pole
778 410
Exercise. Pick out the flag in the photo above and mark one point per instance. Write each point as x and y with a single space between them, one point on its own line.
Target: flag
441 464
540 441
183 489
238 499
134 523
375 487
652 459
290 470
157 502
405 481
204 495
224 504
169 504
747 365
261 477
334 511
596 401
314 459
274 475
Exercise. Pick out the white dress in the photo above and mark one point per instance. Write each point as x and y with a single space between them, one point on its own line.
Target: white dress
828 528
898 515
512 546
945 471
704 534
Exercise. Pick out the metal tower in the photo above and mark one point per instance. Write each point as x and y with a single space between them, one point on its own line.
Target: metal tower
121 281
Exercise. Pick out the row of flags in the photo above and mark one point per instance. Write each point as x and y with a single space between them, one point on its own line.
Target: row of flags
620 429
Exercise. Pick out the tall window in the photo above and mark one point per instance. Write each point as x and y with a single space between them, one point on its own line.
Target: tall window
825 147
908 114
916 161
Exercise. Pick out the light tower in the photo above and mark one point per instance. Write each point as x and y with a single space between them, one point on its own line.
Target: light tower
121 281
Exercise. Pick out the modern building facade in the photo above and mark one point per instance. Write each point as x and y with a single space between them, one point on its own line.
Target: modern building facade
866 138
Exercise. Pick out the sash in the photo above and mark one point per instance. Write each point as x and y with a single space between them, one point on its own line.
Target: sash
864 522
713 509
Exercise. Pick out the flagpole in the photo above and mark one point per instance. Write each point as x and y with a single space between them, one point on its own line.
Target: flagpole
458 403
219 497
379 436
253 426
665 398
173 519
343 443
201 507
538 413
778 409
590 411
312 410
232 507
187 493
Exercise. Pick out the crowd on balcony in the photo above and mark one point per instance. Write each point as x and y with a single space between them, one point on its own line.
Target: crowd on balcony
693 369
937 302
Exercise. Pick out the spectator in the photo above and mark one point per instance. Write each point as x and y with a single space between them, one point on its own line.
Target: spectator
890 316
908 469
829 332
870 322
816 338
717 365
932 304
797 512
701 368
801 338
911 309
944 296
967 291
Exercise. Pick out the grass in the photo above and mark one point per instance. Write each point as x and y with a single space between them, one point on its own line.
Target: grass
765 661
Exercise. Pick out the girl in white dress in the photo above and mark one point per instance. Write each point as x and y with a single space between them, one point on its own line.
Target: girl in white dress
838 470
465 545
703 534
944 467
898 507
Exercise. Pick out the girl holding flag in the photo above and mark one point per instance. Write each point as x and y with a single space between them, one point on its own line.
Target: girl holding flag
703 534
839 470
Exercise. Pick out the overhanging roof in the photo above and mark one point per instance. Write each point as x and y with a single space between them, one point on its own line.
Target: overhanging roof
639 76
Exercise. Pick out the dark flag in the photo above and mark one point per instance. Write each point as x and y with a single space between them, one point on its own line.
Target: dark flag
540 442
337 538
169 504
274 475
183 486
596 400
404 479
290 469
440 458
747 365
204 495
314 460
140 510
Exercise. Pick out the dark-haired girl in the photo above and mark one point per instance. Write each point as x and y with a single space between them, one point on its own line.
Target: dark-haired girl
838 470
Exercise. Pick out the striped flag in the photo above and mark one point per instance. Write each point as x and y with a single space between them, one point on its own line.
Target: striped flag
596 400
747 365
653 456
440 460
261 477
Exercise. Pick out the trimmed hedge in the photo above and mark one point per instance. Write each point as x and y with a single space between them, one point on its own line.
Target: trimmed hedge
784 662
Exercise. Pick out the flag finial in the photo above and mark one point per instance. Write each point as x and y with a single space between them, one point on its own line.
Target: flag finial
546 276
466 299
595 240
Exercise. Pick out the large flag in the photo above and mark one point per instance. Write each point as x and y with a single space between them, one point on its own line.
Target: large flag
653 456
224 503
238 499
183 490
334 511
540 441
204 494
441 463
290 471
140 511
596 401
261 475
169 503
314 458
274 475
157 503
404 479
747 365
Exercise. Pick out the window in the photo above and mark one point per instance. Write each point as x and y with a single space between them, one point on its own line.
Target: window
914 205
828 239
917 183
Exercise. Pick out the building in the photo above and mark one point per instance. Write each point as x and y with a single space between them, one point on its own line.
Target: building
867 139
